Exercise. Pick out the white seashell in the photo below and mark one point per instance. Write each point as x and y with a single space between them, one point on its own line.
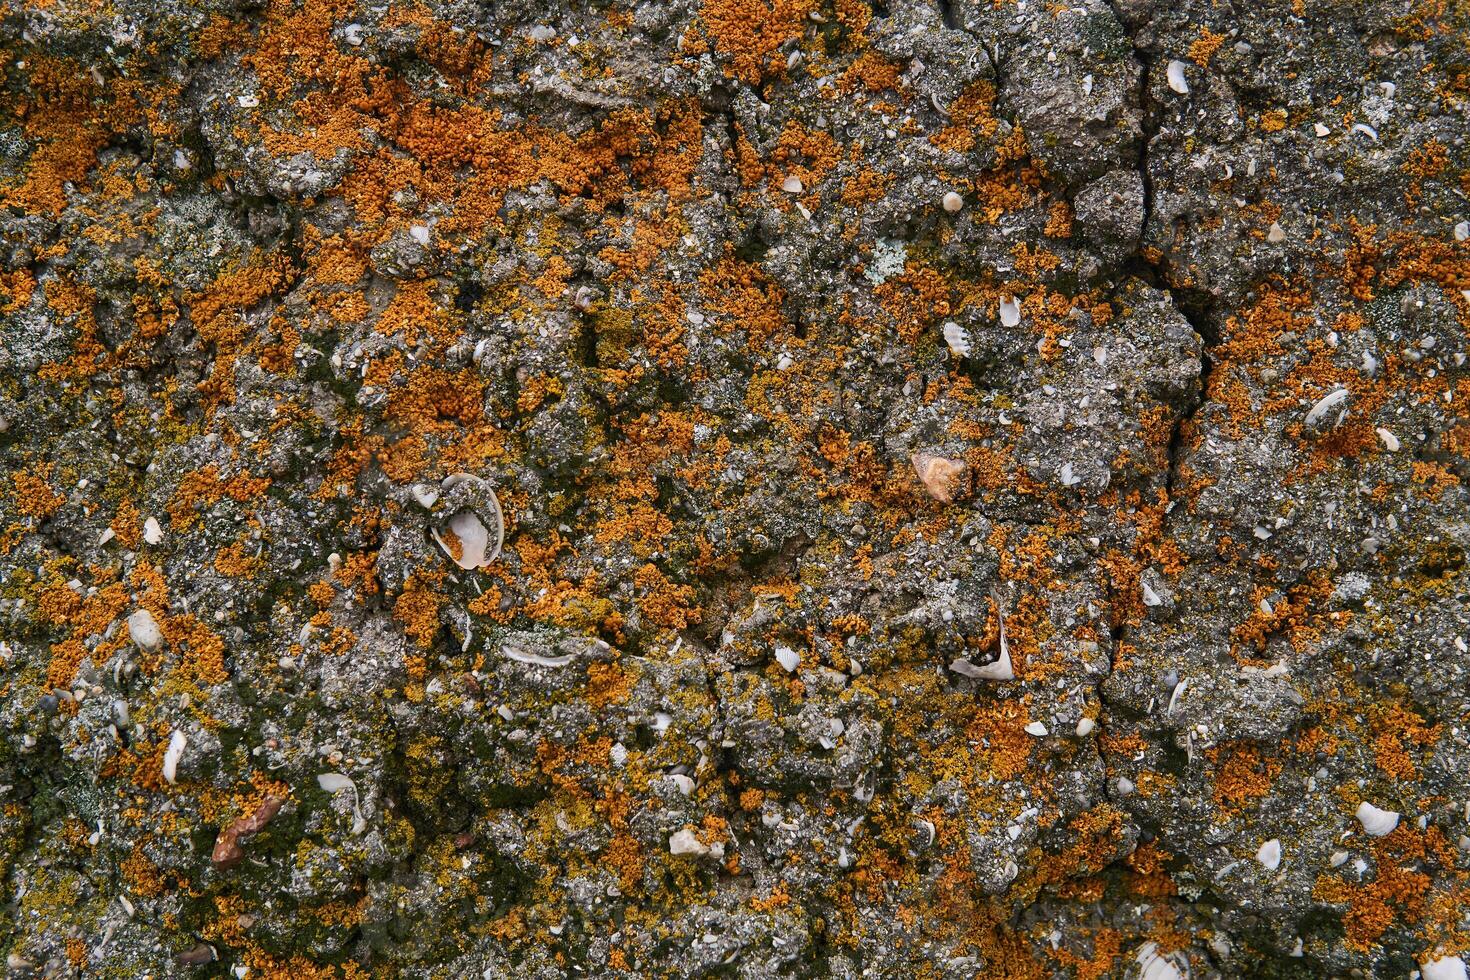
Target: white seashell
1068 478
172 755
1175 74
791 185
1038 729
248 101
684 842
1462 231
335 782
684 784
1326 404
958 339
1269 854
1390 441
419 233
1443 968
1338 859
522 657
1275 233
1320 130
1010 312
1154 966
1150 597
1085 727
424 495
152 532
1086 84
143 628
352 33
1376 822
788 658
1366 130
952 202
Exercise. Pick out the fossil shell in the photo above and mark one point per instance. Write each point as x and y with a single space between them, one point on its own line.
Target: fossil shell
476 526
939 475
1175 75
1376 822
143 628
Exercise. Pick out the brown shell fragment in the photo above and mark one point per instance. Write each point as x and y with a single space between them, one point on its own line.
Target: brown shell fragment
939 475
227 849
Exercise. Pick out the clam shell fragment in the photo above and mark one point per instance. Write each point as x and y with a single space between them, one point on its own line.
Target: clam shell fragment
474 531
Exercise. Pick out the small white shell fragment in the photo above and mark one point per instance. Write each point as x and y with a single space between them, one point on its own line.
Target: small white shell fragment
335 782
1338 859
1175 75
1153 966
247 101
1366 130
1038 729
419 233
958 339
1326 404
1269 854
1085 727
1390 441
1010 312
788 658
684 842
352 34
1275 233
1086 84
143 628
1068 478
522 657
683 783
952 202
1150 597
172 755
424 495
791 185
152 531
1462 231
1376 822
1443 968
1320 130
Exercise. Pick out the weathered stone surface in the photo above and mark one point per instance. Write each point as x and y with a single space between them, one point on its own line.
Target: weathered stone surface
734 488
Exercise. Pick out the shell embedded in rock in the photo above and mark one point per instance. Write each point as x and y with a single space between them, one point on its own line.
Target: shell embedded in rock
958 339
143 629
475 530
939 475
1376 822
1010 312
1443 968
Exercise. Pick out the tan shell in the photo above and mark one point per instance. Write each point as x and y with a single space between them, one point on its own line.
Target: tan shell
939 475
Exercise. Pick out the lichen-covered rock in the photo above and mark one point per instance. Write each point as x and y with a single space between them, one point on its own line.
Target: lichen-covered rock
750 488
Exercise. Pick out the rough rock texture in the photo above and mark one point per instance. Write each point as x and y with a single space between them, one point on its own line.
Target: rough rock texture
740 488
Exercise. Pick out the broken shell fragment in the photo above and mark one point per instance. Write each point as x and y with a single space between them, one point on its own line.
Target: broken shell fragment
227 850
1085 727
939 475
1376 822
143 629
1443 968
791 185
1269 854
684 842
1010 312
1175 75
953 202
1326 404
152 531
171 756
